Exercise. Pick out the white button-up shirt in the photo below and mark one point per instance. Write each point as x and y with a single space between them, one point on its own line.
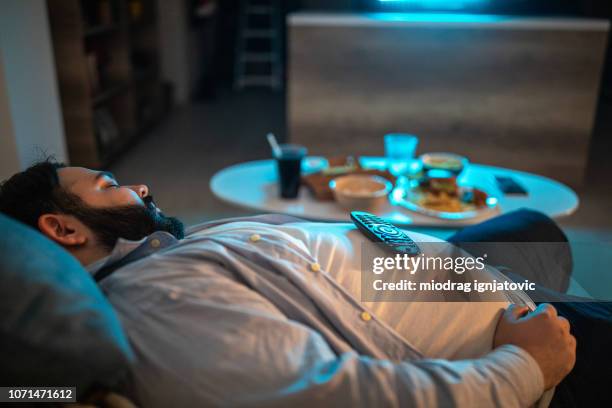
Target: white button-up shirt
223 319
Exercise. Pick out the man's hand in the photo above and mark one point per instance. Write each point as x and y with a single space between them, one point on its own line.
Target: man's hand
544 335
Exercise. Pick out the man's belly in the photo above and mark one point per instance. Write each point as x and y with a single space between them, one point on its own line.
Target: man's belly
449 330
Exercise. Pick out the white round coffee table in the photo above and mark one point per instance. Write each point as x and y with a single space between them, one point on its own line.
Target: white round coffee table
254 186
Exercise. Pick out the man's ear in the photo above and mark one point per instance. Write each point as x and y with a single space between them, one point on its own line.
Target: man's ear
63 229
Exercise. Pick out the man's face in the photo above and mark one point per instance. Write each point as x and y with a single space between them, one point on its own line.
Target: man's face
111 211
100 189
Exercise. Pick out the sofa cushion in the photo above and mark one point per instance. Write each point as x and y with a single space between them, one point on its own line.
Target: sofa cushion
57 328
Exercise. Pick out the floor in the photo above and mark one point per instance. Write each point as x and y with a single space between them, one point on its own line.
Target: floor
180 156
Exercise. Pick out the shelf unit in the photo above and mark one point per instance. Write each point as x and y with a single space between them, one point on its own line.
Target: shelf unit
107 65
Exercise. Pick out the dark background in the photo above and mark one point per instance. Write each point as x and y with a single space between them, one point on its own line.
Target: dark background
228 17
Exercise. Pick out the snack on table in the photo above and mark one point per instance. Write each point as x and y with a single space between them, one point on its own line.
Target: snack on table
450 163
318 183
444 194
361 191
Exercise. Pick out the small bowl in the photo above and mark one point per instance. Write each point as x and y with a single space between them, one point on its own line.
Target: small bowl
443 165
360 191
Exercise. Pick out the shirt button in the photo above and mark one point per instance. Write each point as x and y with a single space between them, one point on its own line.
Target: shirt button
366 317
255 237
315 267
155 243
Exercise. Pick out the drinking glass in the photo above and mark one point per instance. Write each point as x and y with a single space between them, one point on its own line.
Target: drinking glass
289 169
400 149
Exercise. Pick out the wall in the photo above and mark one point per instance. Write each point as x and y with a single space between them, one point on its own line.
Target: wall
174 43
515 93
28 89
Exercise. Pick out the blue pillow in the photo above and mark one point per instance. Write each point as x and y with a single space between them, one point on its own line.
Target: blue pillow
56 327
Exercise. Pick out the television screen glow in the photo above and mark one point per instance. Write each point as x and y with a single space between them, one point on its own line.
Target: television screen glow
434 4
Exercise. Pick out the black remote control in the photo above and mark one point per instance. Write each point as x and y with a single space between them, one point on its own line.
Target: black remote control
379 230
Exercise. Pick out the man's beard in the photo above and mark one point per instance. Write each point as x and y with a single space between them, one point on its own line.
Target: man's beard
132 222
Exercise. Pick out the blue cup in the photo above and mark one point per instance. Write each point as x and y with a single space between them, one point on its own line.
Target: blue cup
400 149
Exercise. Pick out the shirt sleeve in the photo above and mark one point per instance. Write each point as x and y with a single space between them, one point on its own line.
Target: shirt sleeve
242 351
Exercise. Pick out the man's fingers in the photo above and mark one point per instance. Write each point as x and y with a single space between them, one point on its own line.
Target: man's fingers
546 308
565 324
573 343
516 312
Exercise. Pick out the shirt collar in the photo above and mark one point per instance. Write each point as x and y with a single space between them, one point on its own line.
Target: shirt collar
141 248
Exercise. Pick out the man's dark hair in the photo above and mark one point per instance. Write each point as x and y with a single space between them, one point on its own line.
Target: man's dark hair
33 192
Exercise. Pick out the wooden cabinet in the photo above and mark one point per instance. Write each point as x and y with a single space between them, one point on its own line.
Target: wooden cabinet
107 65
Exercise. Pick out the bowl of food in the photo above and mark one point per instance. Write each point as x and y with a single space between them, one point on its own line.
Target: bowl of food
443 165
360 191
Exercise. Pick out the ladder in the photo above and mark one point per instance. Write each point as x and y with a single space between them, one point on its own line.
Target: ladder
258 45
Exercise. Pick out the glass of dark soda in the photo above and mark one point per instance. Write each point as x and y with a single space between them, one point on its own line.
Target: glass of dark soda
289 164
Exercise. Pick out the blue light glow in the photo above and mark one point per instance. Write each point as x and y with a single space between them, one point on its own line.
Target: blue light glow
491 201
439 17
436 4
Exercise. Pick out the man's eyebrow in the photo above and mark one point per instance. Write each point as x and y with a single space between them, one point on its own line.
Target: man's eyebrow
104 174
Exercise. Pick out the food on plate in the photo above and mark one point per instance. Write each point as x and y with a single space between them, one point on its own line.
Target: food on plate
450 163
348 167
444 194
318 182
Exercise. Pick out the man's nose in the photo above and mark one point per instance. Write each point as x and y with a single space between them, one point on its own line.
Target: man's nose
141 189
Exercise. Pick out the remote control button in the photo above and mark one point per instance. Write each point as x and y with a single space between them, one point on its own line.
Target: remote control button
399 240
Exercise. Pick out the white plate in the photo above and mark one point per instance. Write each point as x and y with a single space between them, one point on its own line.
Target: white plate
397 197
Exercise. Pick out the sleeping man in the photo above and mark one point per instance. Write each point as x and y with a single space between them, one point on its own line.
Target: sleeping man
265 311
